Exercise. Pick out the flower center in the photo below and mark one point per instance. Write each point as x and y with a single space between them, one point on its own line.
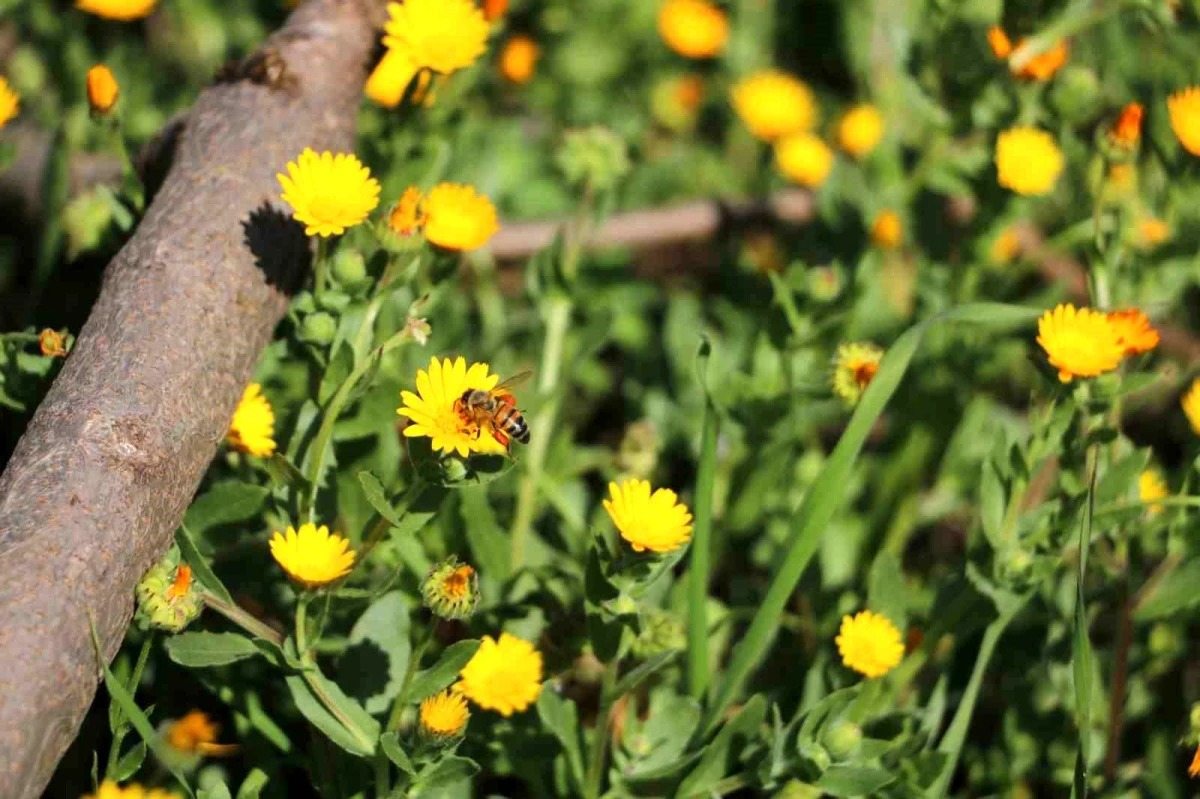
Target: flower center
327 208
864 373
183 581
457 584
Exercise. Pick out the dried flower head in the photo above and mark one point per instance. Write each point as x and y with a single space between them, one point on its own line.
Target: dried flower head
451 589
168 597
52 343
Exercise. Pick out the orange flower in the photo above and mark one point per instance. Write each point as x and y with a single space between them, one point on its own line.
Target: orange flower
1134 331
1194 769
1000 43
102 89
1040 67
1128 128
181 584
518 59
494 9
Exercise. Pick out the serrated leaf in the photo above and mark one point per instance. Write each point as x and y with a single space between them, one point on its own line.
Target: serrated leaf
198 650
442 673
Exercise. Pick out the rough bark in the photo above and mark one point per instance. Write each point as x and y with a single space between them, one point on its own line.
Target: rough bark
113 455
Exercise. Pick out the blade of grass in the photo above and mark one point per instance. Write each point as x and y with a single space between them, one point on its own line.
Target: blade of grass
697 630
1081 649
824 497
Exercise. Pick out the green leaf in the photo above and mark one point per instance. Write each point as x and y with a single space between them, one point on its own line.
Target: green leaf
1176 591
992 504
390 743
488 542
559 716
840 780
284 473
442 673
716 759
218 790
1121 477
225 503
199 565
129 763
448 771
640 673
198 650
824 497
375 493
340 366
252 786
343 721
886 592
376 659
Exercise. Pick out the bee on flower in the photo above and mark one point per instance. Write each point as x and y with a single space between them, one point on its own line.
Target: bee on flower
463 409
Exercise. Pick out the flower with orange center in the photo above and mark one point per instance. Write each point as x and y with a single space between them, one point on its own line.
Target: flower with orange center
451 589
887 231
1133 330
436 413
406 218
181 583
518 59
1184 109
1127 129
52 343
854 367
1079 342
102 89
196 733
693 28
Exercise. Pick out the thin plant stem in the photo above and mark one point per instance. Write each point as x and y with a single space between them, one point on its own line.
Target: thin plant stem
595 772
302 625
242 619
701 553
114 751
320 267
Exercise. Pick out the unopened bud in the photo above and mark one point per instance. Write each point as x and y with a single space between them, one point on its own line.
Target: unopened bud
842 739
52 343
451 589
318 328
102 90
349 267
168 596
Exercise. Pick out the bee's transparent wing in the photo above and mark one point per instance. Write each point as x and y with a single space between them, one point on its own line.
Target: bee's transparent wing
506 386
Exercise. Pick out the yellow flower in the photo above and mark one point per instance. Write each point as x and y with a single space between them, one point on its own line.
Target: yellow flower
390 78
442 35
869 643
110 790
518 59
693 28
504 675
434 411
657 521
860 130
854 367
102 89
52 343
406 218
252 429
1133 330
444 715
804 158
1152 232
312 557
773 103
1191 406
328 193
457 218
196 733
10 102
887 231
121 10
1027 160
1152 487
1126 131
1079 343
1184 109
1005 247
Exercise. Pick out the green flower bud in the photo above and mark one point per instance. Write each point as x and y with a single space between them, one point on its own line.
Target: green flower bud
333 301
1015 565
661 633
816 754
594 156
1076 94
1165 640
318 328
350 268
842 739
168 598
824 283
451 589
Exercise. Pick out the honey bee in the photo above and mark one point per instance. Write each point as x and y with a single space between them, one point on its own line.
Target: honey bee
496 410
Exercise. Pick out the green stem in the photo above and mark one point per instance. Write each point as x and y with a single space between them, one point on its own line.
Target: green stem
320 267
595 772
383 774
783 298
129 175
114 751
558 318
410 671
242 619
380 525
327 701
701 554
302 625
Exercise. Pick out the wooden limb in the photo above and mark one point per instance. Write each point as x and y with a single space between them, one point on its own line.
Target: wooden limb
111 459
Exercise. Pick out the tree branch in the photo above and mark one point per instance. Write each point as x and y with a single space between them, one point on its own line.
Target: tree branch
114 453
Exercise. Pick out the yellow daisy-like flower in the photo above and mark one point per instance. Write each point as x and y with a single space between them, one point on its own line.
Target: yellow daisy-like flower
860 130
111 790
1079 342
1152 232
102 89
518 59
390 78
772 104
120 10
1152 487
196 733
854 366
312 556
442 35
328 193
657 521
434 412
693 28
887 231
504 675
252 428
1191 406
870 644
444 715
458 218
1028 161
1184 109
1134 331
804 158
10 102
